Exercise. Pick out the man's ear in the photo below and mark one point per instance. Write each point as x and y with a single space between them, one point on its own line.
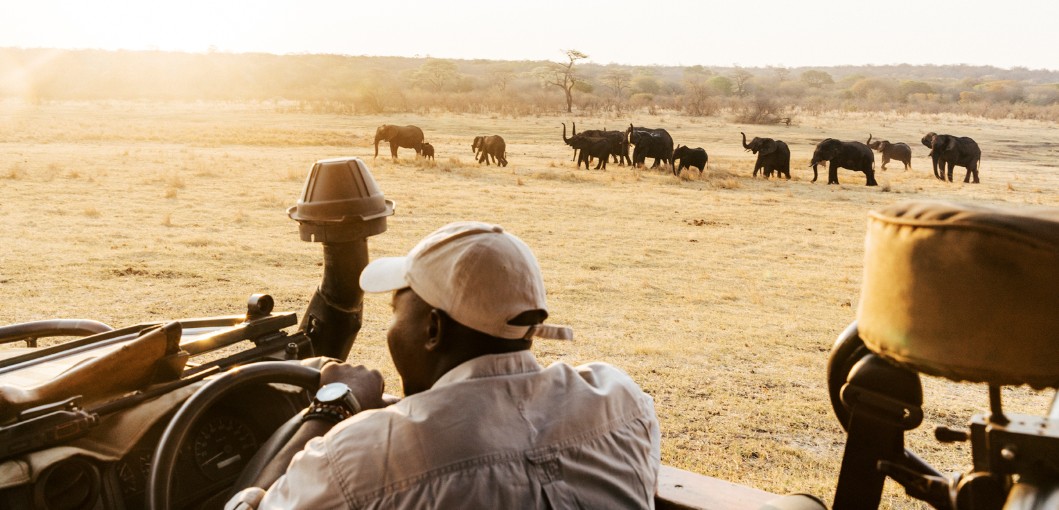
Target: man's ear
435 331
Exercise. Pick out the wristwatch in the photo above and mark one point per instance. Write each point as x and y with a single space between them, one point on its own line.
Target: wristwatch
334 402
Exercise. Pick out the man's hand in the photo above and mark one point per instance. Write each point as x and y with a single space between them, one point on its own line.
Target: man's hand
367 384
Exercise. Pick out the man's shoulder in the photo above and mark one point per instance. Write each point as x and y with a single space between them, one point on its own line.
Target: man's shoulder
596 372
599 381
559 382
600 367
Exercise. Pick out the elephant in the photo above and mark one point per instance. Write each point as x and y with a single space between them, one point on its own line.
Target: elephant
590 147
619 147
689 157
772 156
493 146
855 156
410 137
899 151
953 151
650 143
428 151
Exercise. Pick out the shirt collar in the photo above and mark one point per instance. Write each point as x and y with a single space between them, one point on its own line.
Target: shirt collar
491 365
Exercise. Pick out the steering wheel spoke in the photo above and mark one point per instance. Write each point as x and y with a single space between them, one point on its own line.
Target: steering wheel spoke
159 483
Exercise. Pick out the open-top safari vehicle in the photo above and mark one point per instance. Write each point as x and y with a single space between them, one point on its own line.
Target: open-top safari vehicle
181 414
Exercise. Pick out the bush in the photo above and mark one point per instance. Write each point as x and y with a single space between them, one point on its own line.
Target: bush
761 110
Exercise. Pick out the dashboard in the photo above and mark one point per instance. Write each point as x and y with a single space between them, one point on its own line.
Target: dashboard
216 452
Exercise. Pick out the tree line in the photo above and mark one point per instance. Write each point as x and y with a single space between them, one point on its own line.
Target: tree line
368 85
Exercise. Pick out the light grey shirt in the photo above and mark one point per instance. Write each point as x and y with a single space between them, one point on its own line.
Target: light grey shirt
495 432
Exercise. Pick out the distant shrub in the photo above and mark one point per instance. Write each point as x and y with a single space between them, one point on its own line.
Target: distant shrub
14 172
761 110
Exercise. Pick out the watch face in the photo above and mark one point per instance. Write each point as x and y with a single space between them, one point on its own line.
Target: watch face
332 392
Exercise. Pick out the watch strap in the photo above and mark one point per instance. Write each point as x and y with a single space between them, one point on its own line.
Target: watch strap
332 413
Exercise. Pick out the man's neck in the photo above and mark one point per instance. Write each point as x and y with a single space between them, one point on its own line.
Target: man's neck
461 350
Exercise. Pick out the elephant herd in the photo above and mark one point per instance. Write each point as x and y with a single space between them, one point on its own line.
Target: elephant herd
773 156
487 149
946 151
649 143
600 144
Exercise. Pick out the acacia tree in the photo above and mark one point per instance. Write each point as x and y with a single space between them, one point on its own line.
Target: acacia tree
740 78
501 76
816 79
563 76
618 81
436 73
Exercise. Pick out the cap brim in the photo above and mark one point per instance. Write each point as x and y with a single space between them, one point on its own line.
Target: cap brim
384 275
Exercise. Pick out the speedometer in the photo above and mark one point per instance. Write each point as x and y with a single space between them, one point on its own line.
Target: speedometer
133 471
222 446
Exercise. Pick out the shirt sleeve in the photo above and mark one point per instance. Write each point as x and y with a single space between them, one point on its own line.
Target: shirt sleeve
246 499
655 433
308 483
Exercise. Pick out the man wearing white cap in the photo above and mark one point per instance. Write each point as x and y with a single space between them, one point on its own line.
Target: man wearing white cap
482 425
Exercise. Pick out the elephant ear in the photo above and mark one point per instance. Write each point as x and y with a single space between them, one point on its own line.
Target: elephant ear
951 144
883 145
768 146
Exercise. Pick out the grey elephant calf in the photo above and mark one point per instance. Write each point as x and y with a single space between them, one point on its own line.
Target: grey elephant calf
428 151
686 157
899 151
492 146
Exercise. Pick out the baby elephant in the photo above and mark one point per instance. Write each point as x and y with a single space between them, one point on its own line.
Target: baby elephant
686 157
897 151
428 151
486 147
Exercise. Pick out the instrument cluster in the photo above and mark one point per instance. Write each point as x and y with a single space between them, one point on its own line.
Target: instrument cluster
218 448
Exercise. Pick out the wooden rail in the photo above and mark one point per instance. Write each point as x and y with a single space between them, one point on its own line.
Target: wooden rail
684 490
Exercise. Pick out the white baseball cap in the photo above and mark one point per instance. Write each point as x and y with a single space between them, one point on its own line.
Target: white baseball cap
475 272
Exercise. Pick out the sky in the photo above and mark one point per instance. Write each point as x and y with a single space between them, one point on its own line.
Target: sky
750 34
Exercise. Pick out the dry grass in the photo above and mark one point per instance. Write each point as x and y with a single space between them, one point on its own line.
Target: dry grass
721 294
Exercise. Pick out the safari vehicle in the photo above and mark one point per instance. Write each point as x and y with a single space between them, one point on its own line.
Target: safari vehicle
181 414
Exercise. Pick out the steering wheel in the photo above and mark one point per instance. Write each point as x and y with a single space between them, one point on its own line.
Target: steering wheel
159 483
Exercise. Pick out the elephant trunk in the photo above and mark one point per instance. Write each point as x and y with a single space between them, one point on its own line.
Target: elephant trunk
868 143
573 129
745 146
377 140
815 161
565 139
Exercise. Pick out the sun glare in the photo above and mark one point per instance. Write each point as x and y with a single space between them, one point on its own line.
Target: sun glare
475 29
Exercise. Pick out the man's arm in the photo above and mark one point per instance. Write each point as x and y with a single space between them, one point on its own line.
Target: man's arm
275 469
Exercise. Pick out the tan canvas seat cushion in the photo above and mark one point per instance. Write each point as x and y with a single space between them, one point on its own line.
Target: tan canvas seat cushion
964 292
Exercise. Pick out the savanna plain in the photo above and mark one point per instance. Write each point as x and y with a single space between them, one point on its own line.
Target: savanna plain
720 293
